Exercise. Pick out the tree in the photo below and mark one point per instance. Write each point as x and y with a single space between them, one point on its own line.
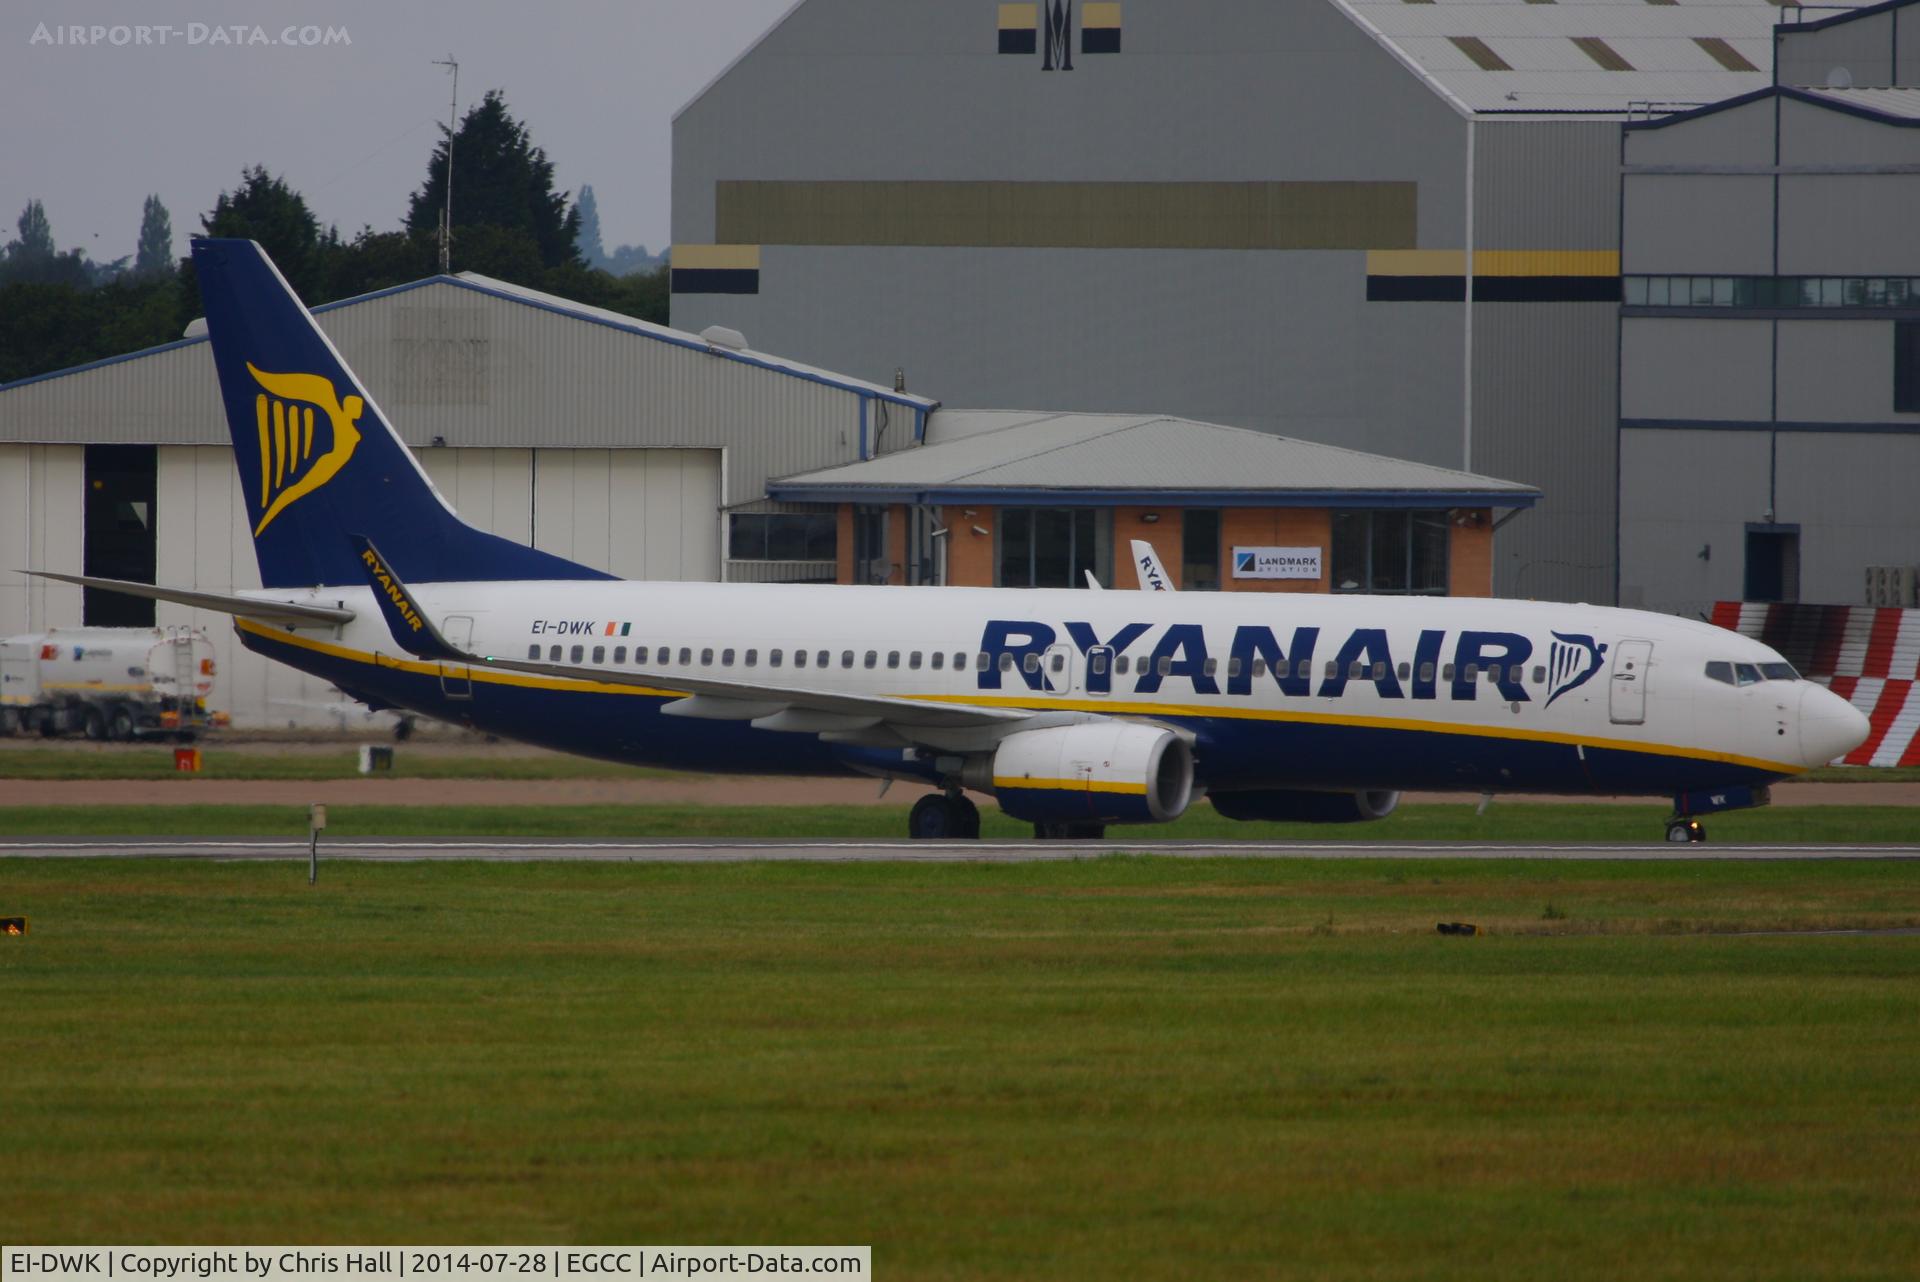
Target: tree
500 179
265 209
591 250
32 258
36 234
155 255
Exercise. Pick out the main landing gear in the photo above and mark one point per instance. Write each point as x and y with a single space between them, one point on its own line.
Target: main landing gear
1683 831
943 816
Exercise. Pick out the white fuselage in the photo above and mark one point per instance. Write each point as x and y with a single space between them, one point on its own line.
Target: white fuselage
1279 690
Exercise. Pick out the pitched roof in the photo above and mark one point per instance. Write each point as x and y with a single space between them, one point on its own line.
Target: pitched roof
1002 456
1576 56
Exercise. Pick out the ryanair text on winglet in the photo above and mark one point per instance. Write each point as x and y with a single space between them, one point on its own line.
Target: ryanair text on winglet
394 593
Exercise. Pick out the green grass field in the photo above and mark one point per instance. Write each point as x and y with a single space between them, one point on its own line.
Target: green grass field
1503 822
1117 1067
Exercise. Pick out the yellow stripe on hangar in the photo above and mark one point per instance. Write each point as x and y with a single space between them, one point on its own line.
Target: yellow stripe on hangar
1493 262
715 257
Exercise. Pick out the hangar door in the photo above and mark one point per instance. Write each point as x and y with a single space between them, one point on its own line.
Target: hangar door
640 513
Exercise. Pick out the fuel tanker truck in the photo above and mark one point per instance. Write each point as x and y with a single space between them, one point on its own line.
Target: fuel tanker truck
107 683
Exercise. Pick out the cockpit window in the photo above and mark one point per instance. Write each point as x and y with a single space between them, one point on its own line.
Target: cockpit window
1720 670
1779 672
1746 674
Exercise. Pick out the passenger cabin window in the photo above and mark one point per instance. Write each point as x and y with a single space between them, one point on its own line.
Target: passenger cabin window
873 658
751 658
533 651
1333 668
1166 665
799 658
1099 663
1493 674
1405 669
1539 674
599 654
774 657
846 658
1426 672
553 655
686 654
959 661
619 654
706 658
1060 662
1120 665
1380 670
1259 668
726 658
913 661
1033 663
1006 662
578 653
1210 667
893 659
939 660
821 659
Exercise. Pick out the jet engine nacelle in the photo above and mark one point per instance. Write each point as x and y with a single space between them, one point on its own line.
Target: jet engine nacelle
1097 772
1307 807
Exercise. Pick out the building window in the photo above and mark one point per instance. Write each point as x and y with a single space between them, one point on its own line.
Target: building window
1391 551
1772 292
1200 551
783 536
1051 547
1906 367
870 563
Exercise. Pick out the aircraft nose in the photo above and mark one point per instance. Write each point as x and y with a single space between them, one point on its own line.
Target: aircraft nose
1830 727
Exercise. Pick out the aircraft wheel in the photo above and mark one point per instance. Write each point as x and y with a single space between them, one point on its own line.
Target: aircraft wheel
967 822
933 819
403 730
1685 831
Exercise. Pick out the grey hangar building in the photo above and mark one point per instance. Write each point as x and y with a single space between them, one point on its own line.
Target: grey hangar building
1660 261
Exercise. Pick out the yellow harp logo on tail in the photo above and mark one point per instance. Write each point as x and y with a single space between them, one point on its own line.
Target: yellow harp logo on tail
284 413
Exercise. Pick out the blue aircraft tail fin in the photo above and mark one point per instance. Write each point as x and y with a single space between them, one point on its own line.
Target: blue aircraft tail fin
317 458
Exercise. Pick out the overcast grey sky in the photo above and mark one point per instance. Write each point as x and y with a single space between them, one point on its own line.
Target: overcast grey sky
92 128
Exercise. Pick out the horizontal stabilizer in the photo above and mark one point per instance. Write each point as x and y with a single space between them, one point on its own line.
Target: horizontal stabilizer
289 613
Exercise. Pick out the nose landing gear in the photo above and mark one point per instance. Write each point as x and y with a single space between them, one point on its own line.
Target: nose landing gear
1683 825
1683 831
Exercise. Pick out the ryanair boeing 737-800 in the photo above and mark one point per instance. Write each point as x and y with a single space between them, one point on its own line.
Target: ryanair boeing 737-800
1072 709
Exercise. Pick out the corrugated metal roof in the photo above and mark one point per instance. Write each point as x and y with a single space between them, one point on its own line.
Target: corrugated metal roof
560 306
1014 453
1549 72
1896 104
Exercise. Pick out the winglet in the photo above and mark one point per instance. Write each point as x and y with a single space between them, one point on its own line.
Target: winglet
1146 563
405 619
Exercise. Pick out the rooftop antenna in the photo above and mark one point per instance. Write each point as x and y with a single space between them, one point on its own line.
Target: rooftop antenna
446 212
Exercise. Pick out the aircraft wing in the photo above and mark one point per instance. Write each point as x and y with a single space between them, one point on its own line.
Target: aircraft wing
290 613
787 707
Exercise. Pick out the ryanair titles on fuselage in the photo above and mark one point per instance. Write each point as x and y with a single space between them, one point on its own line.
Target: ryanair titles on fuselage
1184 652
